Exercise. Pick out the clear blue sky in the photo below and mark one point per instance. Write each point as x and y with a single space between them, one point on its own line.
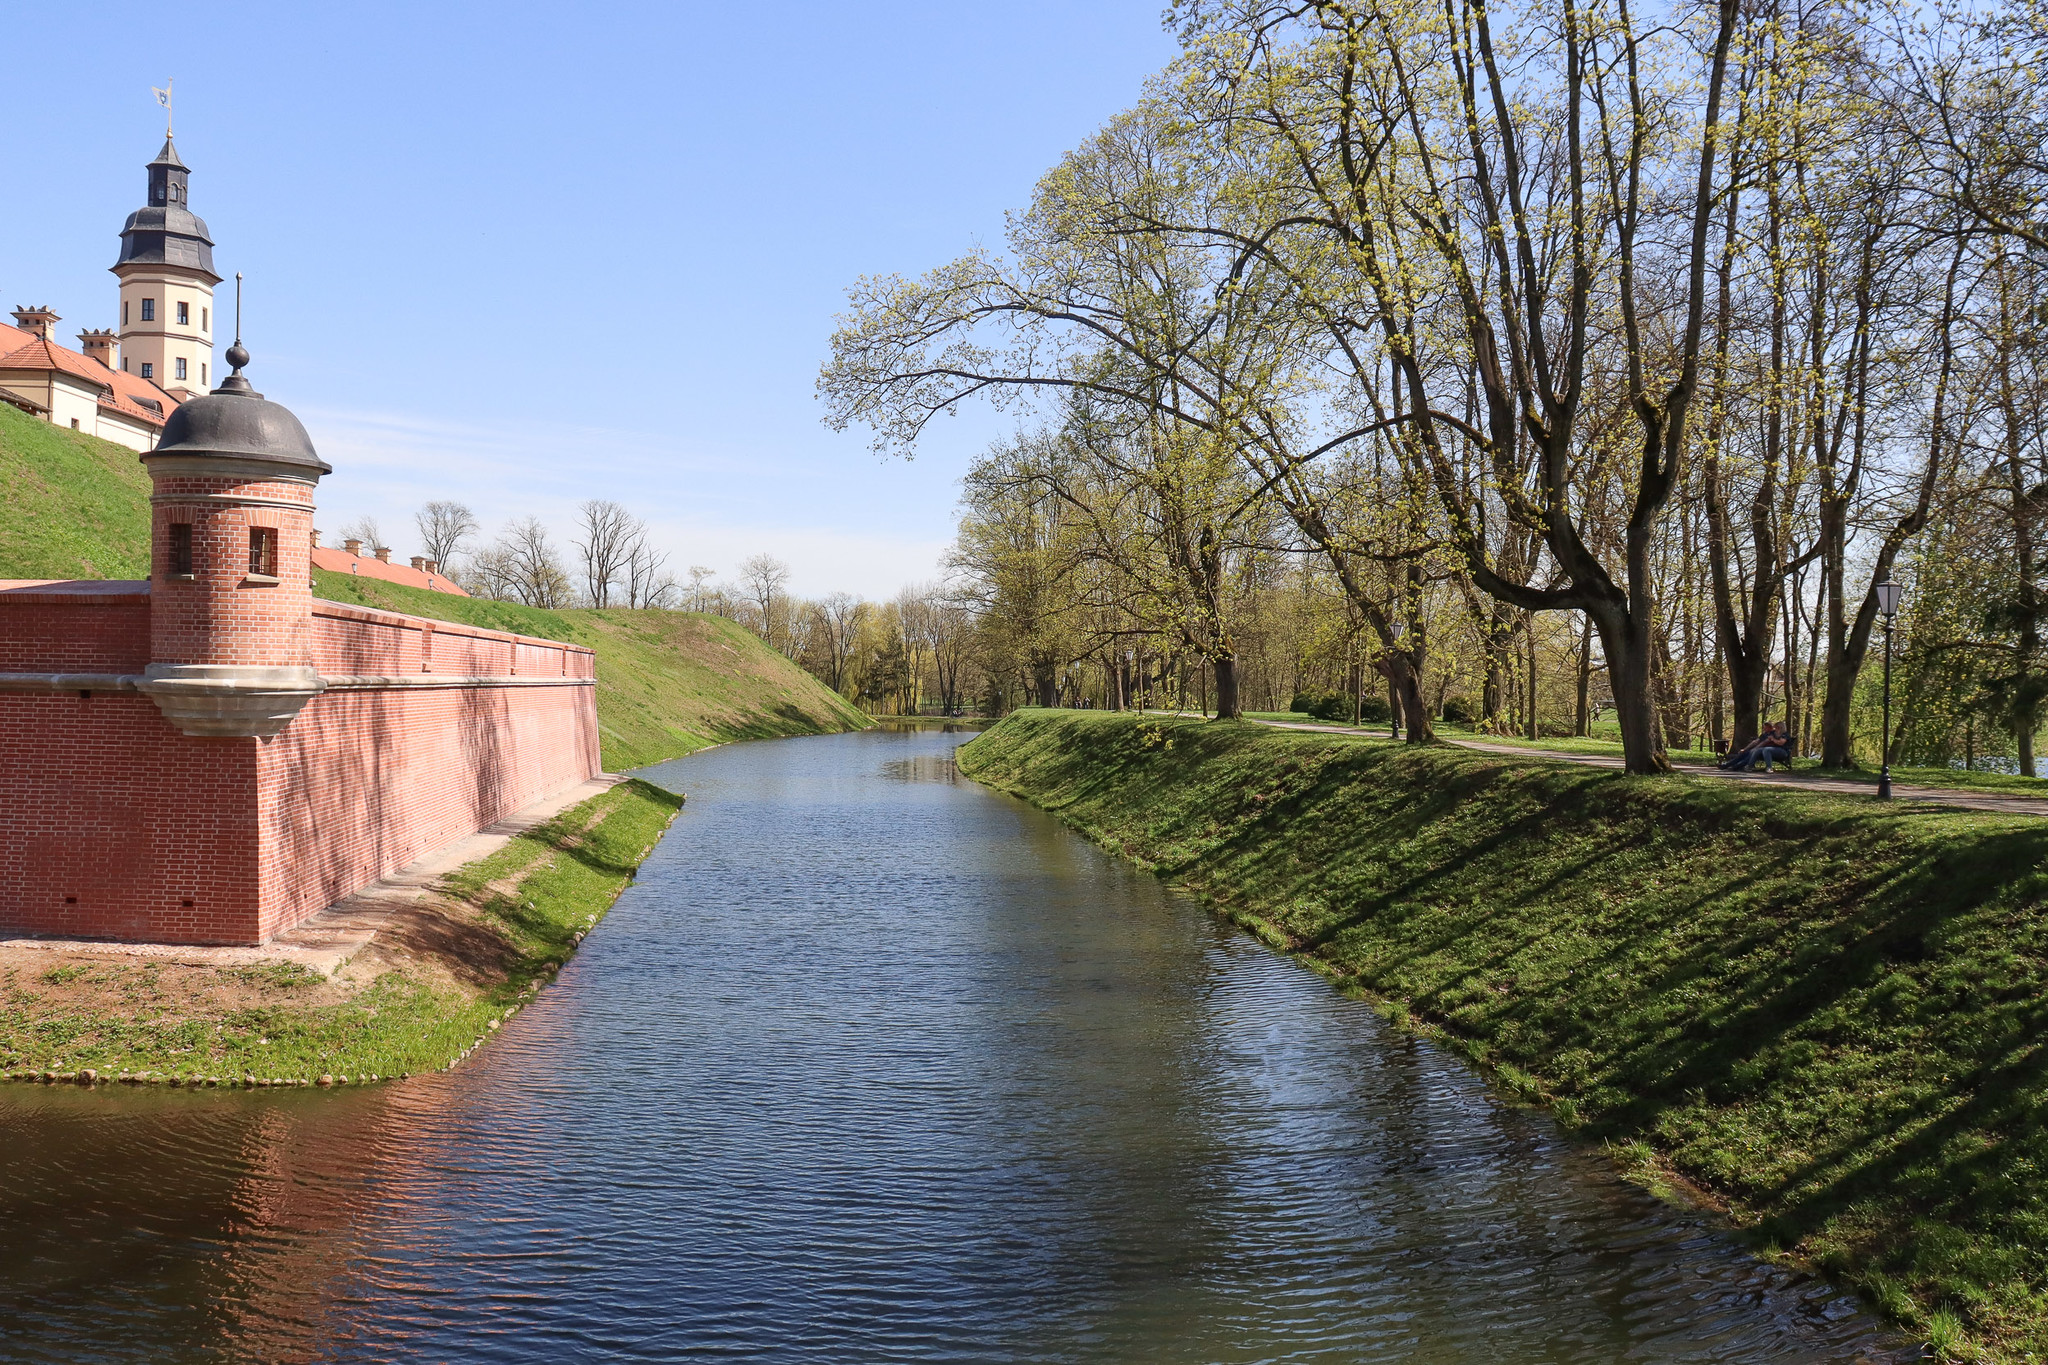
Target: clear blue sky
522 255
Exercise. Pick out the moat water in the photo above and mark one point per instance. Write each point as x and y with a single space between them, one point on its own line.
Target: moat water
874 1065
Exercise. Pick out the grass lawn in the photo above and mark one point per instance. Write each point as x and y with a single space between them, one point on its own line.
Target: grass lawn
492 940
1955 779
1827 1012
76 506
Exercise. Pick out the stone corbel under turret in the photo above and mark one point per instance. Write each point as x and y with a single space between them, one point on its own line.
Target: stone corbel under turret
230 701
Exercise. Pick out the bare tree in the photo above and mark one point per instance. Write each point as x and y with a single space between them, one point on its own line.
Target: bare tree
444 527
648 582
609 533
700 591
523 566
365 530
765 577
839 619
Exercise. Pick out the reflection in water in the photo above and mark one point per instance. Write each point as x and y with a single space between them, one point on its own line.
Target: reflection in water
872 1065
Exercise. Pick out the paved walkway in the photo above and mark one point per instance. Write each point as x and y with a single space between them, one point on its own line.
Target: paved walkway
329 939
1807 781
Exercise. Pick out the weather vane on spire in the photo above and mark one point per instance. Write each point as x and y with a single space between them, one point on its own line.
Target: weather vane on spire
163 97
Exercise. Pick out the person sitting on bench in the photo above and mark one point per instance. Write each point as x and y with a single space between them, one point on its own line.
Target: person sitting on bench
1774 745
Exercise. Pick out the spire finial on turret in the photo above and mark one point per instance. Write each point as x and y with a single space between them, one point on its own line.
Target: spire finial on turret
238 354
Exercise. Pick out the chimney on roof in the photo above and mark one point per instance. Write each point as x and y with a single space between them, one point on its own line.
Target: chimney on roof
101 345
40 321
354 547
316 539
433 566
419 563
383 554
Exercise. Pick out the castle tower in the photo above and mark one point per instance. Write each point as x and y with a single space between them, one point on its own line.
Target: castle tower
230 592
167 280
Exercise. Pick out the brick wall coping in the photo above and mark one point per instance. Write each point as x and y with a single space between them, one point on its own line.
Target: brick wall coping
42 591
69 682
342 611
70 590
348 682
366 682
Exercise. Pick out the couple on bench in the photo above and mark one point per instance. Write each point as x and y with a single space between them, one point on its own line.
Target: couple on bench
1774 745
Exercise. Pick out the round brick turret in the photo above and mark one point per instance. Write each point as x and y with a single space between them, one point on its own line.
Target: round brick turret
230 578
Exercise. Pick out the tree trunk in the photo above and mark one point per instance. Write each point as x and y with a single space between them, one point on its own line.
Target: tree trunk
1410 707
1535 728
1845 661
1582 717
1746 669
1629 651
1045 679
1227 705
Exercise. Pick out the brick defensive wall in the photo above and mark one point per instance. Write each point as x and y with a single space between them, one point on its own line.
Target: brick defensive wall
212 755
113 824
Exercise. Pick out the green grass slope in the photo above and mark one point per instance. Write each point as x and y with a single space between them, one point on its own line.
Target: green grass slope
1832 1013
668 682
74 506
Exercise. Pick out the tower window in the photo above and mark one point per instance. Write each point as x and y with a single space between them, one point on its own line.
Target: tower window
180 547
149 310
180 363
263 550
202 372
124 364
148 370
184 314
206 319
124 312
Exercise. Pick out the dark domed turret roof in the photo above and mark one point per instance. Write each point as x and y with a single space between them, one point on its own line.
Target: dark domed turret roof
166 231
237 423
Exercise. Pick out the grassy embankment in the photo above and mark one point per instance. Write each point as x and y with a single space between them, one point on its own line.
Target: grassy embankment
668 682
75 506
417 999
1827 1014
1955 779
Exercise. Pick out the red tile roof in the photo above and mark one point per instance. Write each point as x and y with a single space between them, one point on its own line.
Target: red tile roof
125 393
366 566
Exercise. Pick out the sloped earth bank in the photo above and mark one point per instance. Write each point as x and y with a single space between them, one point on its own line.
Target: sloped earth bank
426 991
1826 1016
872 1064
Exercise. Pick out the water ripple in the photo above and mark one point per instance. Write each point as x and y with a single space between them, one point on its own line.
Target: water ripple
871 1065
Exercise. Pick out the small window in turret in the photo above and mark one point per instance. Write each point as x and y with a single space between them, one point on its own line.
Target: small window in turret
149 310
263 551
148 369
181 547
206 319
184 314
180 363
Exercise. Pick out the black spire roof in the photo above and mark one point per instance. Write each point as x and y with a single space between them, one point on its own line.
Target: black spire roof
165 232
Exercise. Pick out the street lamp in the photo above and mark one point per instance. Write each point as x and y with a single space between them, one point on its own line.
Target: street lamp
1889 595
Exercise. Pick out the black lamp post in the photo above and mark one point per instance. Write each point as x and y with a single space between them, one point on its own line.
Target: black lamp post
1889 595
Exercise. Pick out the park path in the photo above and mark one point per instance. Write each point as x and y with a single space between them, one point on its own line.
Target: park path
1997 802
